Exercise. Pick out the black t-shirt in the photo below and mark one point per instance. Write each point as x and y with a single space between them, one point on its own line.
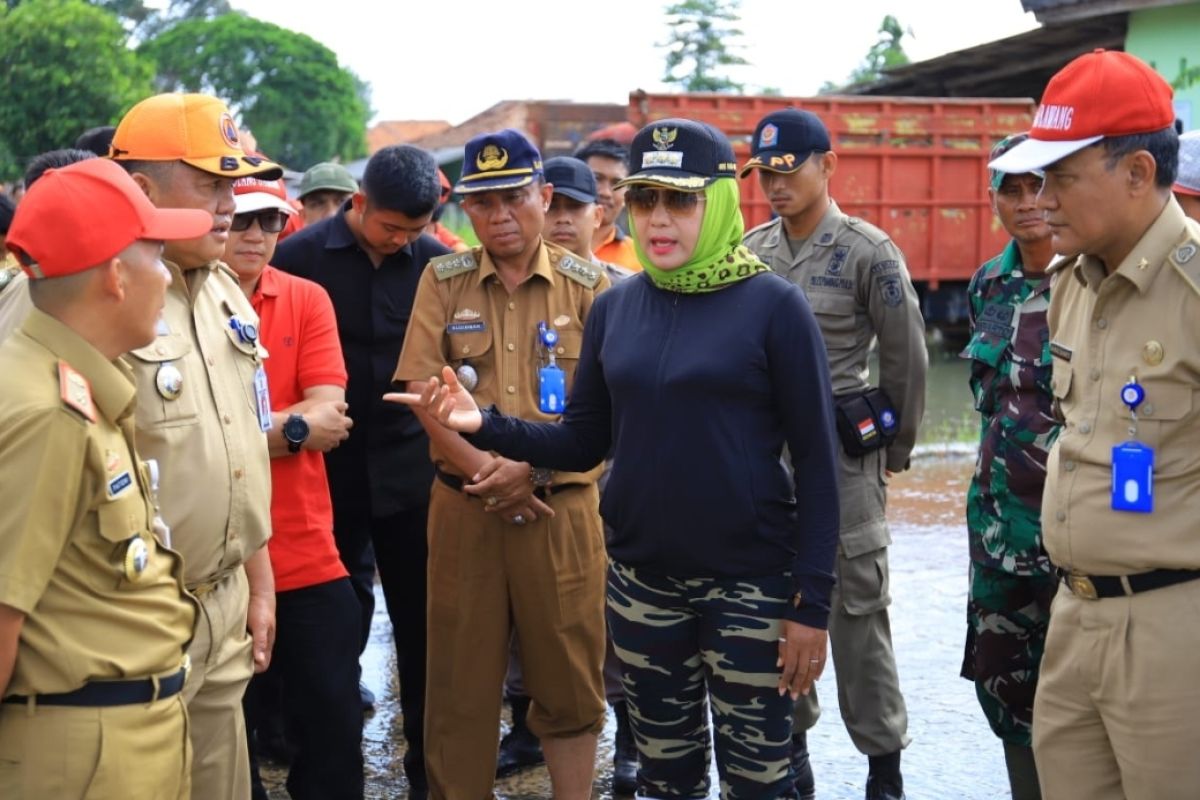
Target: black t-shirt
384 466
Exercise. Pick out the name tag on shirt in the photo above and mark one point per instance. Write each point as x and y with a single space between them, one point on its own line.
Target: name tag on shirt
263 398
119 484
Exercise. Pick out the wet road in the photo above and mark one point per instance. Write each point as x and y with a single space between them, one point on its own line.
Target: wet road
953 753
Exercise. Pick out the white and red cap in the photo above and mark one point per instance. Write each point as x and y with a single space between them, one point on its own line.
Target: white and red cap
1104 93
255 194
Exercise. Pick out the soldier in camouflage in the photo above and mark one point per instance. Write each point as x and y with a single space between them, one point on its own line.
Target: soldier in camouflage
1011 579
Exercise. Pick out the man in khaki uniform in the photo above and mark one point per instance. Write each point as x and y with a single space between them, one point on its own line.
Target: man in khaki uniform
530 554
93 613
201 413
1117 710
858 286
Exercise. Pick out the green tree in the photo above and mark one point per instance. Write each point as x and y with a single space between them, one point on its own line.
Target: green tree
887 52
64 68
701 45
287 88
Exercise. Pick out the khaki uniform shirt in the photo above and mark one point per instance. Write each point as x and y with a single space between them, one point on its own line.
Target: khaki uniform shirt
1139 321
463 314
76 513
215 490
858 286
216 473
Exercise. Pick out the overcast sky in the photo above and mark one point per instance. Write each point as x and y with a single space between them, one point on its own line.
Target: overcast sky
454 58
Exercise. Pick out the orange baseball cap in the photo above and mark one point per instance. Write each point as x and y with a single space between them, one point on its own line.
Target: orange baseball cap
65 200
196 129
1102 93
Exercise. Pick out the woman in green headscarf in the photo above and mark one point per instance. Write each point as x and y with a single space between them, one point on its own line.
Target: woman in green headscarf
696 373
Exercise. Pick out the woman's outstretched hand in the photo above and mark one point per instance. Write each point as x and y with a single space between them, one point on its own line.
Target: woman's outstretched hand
446 401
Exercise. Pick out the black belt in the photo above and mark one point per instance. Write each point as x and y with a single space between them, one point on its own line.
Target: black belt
1095 587
540 492
110 693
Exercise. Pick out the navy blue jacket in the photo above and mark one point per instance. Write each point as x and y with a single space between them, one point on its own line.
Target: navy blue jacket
697 394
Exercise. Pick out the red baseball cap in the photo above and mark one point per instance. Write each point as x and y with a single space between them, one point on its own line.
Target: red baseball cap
68 200
1101 94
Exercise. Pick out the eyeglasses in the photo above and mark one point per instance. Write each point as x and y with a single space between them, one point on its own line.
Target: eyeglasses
641 201
271 221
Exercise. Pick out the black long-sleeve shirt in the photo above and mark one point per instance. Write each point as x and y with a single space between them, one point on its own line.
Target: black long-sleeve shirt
697 394
384 467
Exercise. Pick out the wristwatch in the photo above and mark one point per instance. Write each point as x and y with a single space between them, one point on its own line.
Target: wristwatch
541 476
295 431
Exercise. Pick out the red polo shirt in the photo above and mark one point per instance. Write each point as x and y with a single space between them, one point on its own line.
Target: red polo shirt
299 330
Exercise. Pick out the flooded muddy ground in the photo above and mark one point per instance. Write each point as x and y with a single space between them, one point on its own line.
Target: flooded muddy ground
953 753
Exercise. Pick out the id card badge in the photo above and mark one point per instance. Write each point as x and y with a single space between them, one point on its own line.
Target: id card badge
552 389
263 398
1133 477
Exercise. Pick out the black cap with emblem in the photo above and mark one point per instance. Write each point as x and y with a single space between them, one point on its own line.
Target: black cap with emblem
784 139
501 160
679 154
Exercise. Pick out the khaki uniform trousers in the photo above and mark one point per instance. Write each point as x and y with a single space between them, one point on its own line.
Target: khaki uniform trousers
222 666
1117 710
487 578
860 632
134 752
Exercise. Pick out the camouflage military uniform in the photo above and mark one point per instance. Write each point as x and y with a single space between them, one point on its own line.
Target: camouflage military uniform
1012 582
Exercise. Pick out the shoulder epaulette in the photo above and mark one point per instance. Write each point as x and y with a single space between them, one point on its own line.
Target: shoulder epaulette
451 264
865 229
76 392
578 270
764 229
1186 261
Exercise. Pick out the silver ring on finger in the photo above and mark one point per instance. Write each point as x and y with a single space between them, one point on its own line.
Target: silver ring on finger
519 519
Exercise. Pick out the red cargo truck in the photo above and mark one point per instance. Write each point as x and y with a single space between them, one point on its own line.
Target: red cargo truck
914 166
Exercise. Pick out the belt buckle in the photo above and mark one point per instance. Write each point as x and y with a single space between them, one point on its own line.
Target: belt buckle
1081 586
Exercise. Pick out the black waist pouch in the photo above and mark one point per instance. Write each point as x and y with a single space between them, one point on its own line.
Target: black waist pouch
866 421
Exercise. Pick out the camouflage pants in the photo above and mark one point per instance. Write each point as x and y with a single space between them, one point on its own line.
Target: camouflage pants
685 644
1007 618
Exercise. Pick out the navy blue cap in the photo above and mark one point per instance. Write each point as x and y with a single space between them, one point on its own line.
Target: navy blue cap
680 154
783 141
571 177
501 160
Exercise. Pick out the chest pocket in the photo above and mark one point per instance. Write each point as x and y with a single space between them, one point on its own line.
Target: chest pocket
247 356
1160 421
985 351
156 366
474 348
837 318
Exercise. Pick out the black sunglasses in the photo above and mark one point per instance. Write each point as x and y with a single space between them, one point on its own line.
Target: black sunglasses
641 200
271 221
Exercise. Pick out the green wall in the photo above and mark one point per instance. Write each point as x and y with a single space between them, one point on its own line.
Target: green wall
1167 38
